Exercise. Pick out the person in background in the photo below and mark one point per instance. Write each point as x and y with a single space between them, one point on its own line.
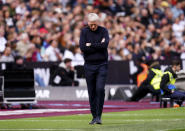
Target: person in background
7 55
142 71
143 74
64 74
3 40
167 83
70 73
36 56
151 84
52 52
19 63
94 40
23 45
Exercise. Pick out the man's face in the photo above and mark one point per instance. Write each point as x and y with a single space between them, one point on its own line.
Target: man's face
178 67
54 44
68 65
19 61
93 25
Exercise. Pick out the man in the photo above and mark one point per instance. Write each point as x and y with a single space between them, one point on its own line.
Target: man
167 83
19 63
3 40
7 55
94 41
151 84
68 73
63 75
143 74
52 52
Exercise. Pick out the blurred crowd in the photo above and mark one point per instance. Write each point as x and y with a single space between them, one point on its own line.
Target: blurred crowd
49 30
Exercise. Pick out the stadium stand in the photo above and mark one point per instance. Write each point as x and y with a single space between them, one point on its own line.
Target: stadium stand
146 29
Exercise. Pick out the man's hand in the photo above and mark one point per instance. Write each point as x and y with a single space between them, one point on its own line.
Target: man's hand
88 44
172 91
103 40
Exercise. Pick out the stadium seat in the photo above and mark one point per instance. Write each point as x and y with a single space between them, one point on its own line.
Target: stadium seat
164 100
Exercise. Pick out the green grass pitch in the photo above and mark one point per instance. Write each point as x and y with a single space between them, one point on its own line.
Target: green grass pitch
170 119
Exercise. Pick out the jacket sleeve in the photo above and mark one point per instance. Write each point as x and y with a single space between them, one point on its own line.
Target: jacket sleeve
164 82
102 45
83 47
150 76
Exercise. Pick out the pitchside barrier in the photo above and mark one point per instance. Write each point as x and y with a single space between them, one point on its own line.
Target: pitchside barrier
112 92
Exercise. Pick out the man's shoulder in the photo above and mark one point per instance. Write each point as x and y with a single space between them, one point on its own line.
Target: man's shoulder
49 49
168 69
86 28
102 28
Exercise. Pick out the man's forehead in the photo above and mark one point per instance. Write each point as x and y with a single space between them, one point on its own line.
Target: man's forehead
92 23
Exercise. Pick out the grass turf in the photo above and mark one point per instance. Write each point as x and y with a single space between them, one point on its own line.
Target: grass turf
170 119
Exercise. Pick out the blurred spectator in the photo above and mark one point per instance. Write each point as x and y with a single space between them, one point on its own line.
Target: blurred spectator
178 29
36 56
23 45
78 58
145 18
7 56
19 63
52 52
177 10
3 40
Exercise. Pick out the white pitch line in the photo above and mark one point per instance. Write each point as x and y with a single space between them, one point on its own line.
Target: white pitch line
37 111
172 129
124 120
108 114
38 120
40 129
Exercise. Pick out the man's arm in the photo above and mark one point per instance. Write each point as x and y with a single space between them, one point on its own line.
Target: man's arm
83 44
150 76
104 42
164 82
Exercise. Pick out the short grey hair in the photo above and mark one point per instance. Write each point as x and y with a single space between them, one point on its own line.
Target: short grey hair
92 17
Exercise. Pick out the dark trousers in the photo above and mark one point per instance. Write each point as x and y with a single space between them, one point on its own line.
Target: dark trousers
178 95
142 91
96 78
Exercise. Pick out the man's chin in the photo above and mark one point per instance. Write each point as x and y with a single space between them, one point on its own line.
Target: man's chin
94 29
